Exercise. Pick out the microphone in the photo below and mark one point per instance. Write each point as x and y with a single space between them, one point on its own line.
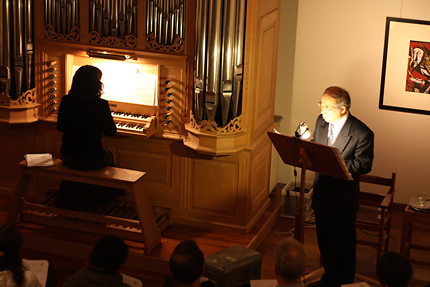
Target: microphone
302 131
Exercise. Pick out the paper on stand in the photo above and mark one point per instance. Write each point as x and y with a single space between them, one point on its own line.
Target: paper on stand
39 159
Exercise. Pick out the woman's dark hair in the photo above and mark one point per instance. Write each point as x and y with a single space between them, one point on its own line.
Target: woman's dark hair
109 253
87 82
10 244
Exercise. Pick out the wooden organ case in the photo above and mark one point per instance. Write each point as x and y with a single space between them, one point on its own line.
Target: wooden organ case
209 171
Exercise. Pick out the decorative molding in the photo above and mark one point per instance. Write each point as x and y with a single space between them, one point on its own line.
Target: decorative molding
50 33
128 41
26 98
211 127
177 47
20 111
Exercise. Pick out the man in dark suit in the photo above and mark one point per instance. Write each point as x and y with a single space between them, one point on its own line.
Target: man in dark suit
335 201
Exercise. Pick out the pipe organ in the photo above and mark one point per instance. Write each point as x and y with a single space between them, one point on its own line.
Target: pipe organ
190 83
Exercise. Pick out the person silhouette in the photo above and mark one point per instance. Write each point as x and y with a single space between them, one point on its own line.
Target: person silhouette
82 118
12 271
102 268
290 263
394 270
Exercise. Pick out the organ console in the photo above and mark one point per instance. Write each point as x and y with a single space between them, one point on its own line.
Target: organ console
190 84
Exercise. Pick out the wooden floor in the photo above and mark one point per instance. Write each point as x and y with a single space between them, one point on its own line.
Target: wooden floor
211 241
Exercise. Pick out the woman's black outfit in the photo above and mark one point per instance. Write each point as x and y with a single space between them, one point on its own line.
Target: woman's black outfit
82 121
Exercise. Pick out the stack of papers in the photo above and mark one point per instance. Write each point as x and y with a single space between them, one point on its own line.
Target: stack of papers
133 282
264 283
39 159
39 268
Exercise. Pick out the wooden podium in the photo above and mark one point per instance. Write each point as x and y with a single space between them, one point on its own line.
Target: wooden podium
308 156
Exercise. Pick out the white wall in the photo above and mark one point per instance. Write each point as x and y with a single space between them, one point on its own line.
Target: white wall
284 81
341 43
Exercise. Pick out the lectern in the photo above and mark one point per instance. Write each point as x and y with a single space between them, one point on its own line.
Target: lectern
308 156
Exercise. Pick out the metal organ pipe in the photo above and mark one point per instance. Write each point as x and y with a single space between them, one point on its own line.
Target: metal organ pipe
106 16
129 17
63 14
219 52
18 35
16 41
214 61
227 59
181 19
29 44
74 9
5 56
115 18
200 59
92 15
238 52
165 20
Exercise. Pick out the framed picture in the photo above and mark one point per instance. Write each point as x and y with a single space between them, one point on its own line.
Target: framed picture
405 81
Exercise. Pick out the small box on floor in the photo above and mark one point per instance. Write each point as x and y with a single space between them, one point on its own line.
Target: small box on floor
291 199
234 266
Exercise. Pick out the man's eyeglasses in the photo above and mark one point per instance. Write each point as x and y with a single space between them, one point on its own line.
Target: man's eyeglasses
326 108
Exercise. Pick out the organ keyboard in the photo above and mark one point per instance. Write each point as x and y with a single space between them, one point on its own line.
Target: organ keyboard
133 119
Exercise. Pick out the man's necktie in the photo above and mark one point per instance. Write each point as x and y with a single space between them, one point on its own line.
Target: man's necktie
330 135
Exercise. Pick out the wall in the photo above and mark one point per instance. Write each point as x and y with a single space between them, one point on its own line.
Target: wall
341 43
284 81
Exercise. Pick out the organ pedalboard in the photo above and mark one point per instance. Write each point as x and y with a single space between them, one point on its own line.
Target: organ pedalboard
132 119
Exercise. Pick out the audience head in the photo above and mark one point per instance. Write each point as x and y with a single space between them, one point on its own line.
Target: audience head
290 261
87 82
10 244
109 253
187 262
394 270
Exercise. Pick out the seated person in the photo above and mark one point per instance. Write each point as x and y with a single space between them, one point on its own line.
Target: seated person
290 263
102 269
83 117
394 270
187 265
12 272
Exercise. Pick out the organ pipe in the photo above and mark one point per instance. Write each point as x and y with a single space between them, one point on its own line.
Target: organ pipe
218 65
16 64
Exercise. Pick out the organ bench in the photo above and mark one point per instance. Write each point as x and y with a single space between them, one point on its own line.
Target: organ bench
145 229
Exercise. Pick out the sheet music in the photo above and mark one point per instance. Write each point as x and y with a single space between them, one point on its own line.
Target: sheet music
39 268
127 82
39 159
146 89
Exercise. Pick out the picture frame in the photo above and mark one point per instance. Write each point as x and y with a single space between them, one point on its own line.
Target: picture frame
405 79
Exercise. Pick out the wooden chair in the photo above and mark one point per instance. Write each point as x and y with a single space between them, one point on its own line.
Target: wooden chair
375 211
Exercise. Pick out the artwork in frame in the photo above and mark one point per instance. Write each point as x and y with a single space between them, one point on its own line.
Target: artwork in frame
405 81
